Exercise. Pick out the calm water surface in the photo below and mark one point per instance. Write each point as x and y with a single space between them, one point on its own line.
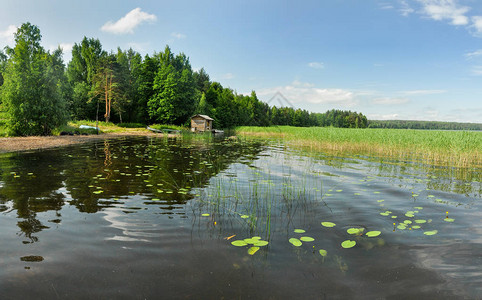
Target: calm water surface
144 218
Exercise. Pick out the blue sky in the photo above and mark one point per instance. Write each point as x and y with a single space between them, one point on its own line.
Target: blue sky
399 59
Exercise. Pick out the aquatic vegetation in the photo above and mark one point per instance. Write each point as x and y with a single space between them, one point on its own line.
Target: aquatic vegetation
299 231
431 232
295 242
348 244
328 224
374 233
306 239
323 252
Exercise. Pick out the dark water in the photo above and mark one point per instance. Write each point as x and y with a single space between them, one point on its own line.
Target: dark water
150 219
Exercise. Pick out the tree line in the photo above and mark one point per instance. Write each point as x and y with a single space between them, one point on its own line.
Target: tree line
39 93
404 124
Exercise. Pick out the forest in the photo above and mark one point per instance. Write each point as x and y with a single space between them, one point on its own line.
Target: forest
38 92
407 124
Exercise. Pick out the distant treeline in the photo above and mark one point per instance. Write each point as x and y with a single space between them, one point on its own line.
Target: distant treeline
38 92
402 124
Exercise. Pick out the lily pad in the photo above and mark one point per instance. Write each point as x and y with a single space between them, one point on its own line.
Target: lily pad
373 233
348 244
299 231
431 232
259 243
296 242
323 252
244 216
449 220
355 230
420 221
307 239
205 215
239 243
328 224
250 241
415 227
253 250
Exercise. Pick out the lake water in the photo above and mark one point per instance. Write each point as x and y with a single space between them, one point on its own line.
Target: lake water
144 218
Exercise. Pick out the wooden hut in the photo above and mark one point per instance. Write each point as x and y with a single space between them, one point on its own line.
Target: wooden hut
201 123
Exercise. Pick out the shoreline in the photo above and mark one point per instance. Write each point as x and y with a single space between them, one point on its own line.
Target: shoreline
33 143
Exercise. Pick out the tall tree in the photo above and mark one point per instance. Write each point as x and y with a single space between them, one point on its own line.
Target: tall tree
32 79
174 91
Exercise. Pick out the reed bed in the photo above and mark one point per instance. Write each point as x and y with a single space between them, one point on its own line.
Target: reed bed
453 148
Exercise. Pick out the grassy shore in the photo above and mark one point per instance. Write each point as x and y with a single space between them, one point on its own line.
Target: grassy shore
454 148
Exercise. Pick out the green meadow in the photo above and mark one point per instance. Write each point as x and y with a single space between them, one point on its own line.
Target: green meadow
454 148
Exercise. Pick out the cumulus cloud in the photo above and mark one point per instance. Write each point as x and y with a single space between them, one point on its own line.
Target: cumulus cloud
302 92
316 65
477 25
7 36
405 8
441 10
473 54
129 22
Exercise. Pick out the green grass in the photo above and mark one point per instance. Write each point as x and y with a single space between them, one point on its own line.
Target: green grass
458 148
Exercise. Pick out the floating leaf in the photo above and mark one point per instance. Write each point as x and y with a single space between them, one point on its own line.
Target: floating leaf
299 231
256 237
253 250
250 241
449 220
323 252
259 243
418 207
373 233
415 227
402 226
420 221
307 239
205 215
328 224
355 230
244 216
348 244
407 222
239 243
410 214
296 242
384 214
432 232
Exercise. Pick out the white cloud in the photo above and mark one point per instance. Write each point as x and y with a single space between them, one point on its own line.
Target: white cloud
178 35
383 116
316 65
423 92
477 24
7 36
389 101
300 92
476 53
405 9
441 10
129 22
477 70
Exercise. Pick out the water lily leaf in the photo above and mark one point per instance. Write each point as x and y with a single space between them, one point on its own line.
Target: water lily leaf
296 242
256 237
402 226
328 224
323 252
373 233
384 214
307 239
355 230
348 244
420 221
418 207
205 215
244 216
250 241
253 250
410 214
407 222
299 231
449 220
415 227
259 243
239 243
432 232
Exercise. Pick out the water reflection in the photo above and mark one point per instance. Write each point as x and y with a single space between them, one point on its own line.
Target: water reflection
94 177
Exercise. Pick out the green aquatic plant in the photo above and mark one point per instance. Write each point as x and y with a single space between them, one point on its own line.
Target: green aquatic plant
431 232
356 231
323 252
373 233
299 231
307 239
328 224
253 250
296 242
348 244
239 243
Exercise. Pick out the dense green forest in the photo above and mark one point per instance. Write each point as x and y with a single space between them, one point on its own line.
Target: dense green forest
38 92
401 124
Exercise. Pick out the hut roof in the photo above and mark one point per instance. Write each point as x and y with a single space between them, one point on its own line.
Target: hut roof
204 117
